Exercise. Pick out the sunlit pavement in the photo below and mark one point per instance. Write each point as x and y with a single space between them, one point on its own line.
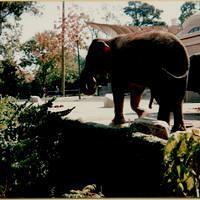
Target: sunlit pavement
91 109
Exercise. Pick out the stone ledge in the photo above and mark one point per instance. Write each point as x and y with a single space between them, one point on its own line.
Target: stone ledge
151 126
122 163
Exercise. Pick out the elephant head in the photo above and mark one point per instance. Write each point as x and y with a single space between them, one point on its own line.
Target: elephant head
96 63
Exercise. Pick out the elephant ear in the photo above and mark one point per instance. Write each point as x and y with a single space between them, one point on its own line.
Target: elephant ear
106 48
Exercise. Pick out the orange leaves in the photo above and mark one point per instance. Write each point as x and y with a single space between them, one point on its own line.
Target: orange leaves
74 24
48 46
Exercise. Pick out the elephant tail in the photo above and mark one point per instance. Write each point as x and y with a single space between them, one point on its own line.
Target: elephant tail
151 102
151 99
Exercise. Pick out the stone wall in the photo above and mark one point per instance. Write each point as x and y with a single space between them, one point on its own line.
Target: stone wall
119 162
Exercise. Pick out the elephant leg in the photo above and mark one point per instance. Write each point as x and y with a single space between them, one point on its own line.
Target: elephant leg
135 97
118 98
178 118
164 113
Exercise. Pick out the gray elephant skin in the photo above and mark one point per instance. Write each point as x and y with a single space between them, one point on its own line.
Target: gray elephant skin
154 59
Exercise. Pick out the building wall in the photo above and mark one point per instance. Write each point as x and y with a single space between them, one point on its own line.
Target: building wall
192 43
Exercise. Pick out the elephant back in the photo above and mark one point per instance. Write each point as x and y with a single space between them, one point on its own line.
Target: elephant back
139 57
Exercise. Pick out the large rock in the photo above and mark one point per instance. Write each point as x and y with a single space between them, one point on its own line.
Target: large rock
36 99
121 163
108 101
151 126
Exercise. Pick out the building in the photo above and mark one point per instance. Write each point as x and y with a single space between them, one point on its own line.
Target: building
190 34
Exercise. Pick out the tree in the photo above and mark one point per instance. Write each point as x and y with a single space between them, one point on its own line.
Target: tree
10 42
74 24
109 17
143 14
14 9
41 53
8 78
75 36
187 9
13 79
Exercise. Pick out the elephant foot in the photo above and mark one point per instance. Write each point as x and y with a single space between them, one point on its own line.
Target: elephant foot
141 112
118 120
179 127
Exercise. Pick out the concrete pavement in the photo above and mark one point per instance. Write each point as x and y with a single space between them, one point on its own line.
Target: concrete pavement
91 109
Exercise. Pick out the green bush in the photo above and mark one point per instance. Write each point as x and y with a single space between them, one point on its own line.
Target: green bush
182 163
29 139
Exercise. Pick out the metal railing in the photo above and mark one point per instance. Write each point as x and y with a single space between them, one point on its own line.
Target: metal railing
71 92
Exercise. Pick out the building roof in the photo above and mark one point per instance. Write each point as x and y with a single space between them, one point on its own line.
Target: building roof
192 20
189 32
114 30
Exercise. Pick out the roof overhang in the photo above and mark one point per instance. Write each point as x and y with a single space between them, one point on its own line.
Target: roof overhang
114 30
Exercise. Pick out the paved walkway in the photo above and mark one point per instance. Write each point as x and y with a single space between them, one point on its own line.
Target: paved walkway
91 109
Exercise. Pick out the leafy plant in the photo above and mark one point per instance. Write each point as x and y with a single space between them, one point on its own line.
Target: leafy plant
7 110
15 9
182 163
29 141
88 191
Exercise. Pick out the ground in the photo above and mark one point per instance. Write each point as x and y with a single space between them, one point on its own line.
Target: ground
91 109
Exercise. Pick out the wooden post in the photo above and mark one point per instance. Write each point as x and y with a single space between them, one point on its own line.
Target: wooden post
63 50
79 66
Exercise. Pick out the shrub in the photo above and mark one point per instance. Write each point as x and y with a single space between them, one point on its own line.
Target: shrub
29 140
182 163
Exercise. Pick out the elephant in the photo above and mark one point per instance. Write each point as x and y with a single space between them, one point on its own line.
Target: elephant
194 73
148 59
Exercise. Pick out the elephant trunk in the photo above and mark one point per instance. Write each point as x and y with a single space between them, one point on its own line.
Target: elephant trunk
87 83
